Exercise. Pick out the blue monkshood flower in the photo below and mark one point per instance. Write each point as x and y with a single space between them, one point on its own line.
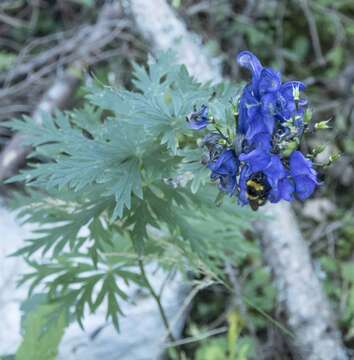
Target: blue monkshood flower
224 170
252 117
300 181
199 119
289 102
258 152
261 163
303 174
265 100
271 166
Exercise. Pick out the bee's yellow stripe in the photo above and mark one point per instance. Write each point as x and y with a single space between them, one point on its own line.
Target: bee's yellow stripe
252 197
255 185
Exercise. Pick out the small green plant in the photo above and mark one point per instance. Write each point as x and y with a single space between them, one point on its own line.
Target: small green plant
230 347
120 184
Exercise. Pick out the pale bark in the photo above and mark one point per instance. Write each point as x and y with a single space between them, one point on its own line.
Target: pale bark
160 26
309 314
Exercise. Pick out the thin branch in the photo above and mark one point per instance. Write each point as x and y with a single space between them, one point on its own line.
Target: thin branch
157 299
313 31
12 21
193 339
233 275
187 302
158 302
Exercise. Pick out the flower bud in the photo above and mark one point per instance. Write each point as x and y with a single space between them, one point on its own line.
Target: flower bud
308 116
290 148
322 124
334 157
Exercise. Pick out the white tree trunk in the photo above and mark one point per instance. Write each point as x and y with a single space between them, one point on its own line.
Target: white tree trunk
160 26
299 291
309 314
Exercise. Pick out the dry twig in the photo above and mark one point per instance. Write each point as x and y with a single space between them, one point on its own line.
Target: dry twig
14 154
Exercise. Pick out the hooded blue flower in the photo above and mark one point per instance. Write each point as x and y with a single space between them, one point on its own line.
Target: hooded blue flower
265 100
224 170
303 175
258 152
253 115
270 117
270 165
199 119
261 163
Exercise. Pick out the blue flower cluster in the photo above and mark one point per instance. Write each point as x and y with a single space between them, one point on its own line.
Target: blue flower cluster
262 162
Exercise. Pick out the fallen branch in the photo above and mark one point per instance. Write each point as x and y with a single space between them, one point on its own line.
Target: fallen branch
313 32
309 314
14 153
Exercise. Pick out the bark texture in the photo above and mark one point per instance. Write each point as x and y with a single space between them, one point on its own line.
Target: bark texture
159 25
309 314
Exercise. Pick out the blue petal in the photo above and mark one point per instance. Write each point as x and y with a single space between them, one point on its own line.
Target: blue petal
198 120
263 141
299 165
287 88
244 176
249 61
257 159
227 163
259 124
269 81
304 186
225 170
274 171
198 125
228 184
286 189
248 107
269 103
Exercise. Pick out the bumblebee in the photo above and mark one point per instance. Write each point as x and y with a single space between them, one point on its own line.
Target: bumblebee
258 190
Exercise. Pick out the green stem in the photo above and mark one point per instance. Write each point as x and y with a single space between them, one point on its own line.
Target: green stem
222 134
157 298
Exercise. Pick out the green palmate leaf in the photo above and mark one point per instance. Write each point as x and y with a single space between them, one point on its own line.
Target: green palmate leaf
61 226
73 280
128 183
158 76
166 94
80 162
192 165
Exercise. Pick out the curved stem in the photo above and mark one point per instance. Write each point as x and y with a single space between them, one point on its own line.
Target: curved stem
157 298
